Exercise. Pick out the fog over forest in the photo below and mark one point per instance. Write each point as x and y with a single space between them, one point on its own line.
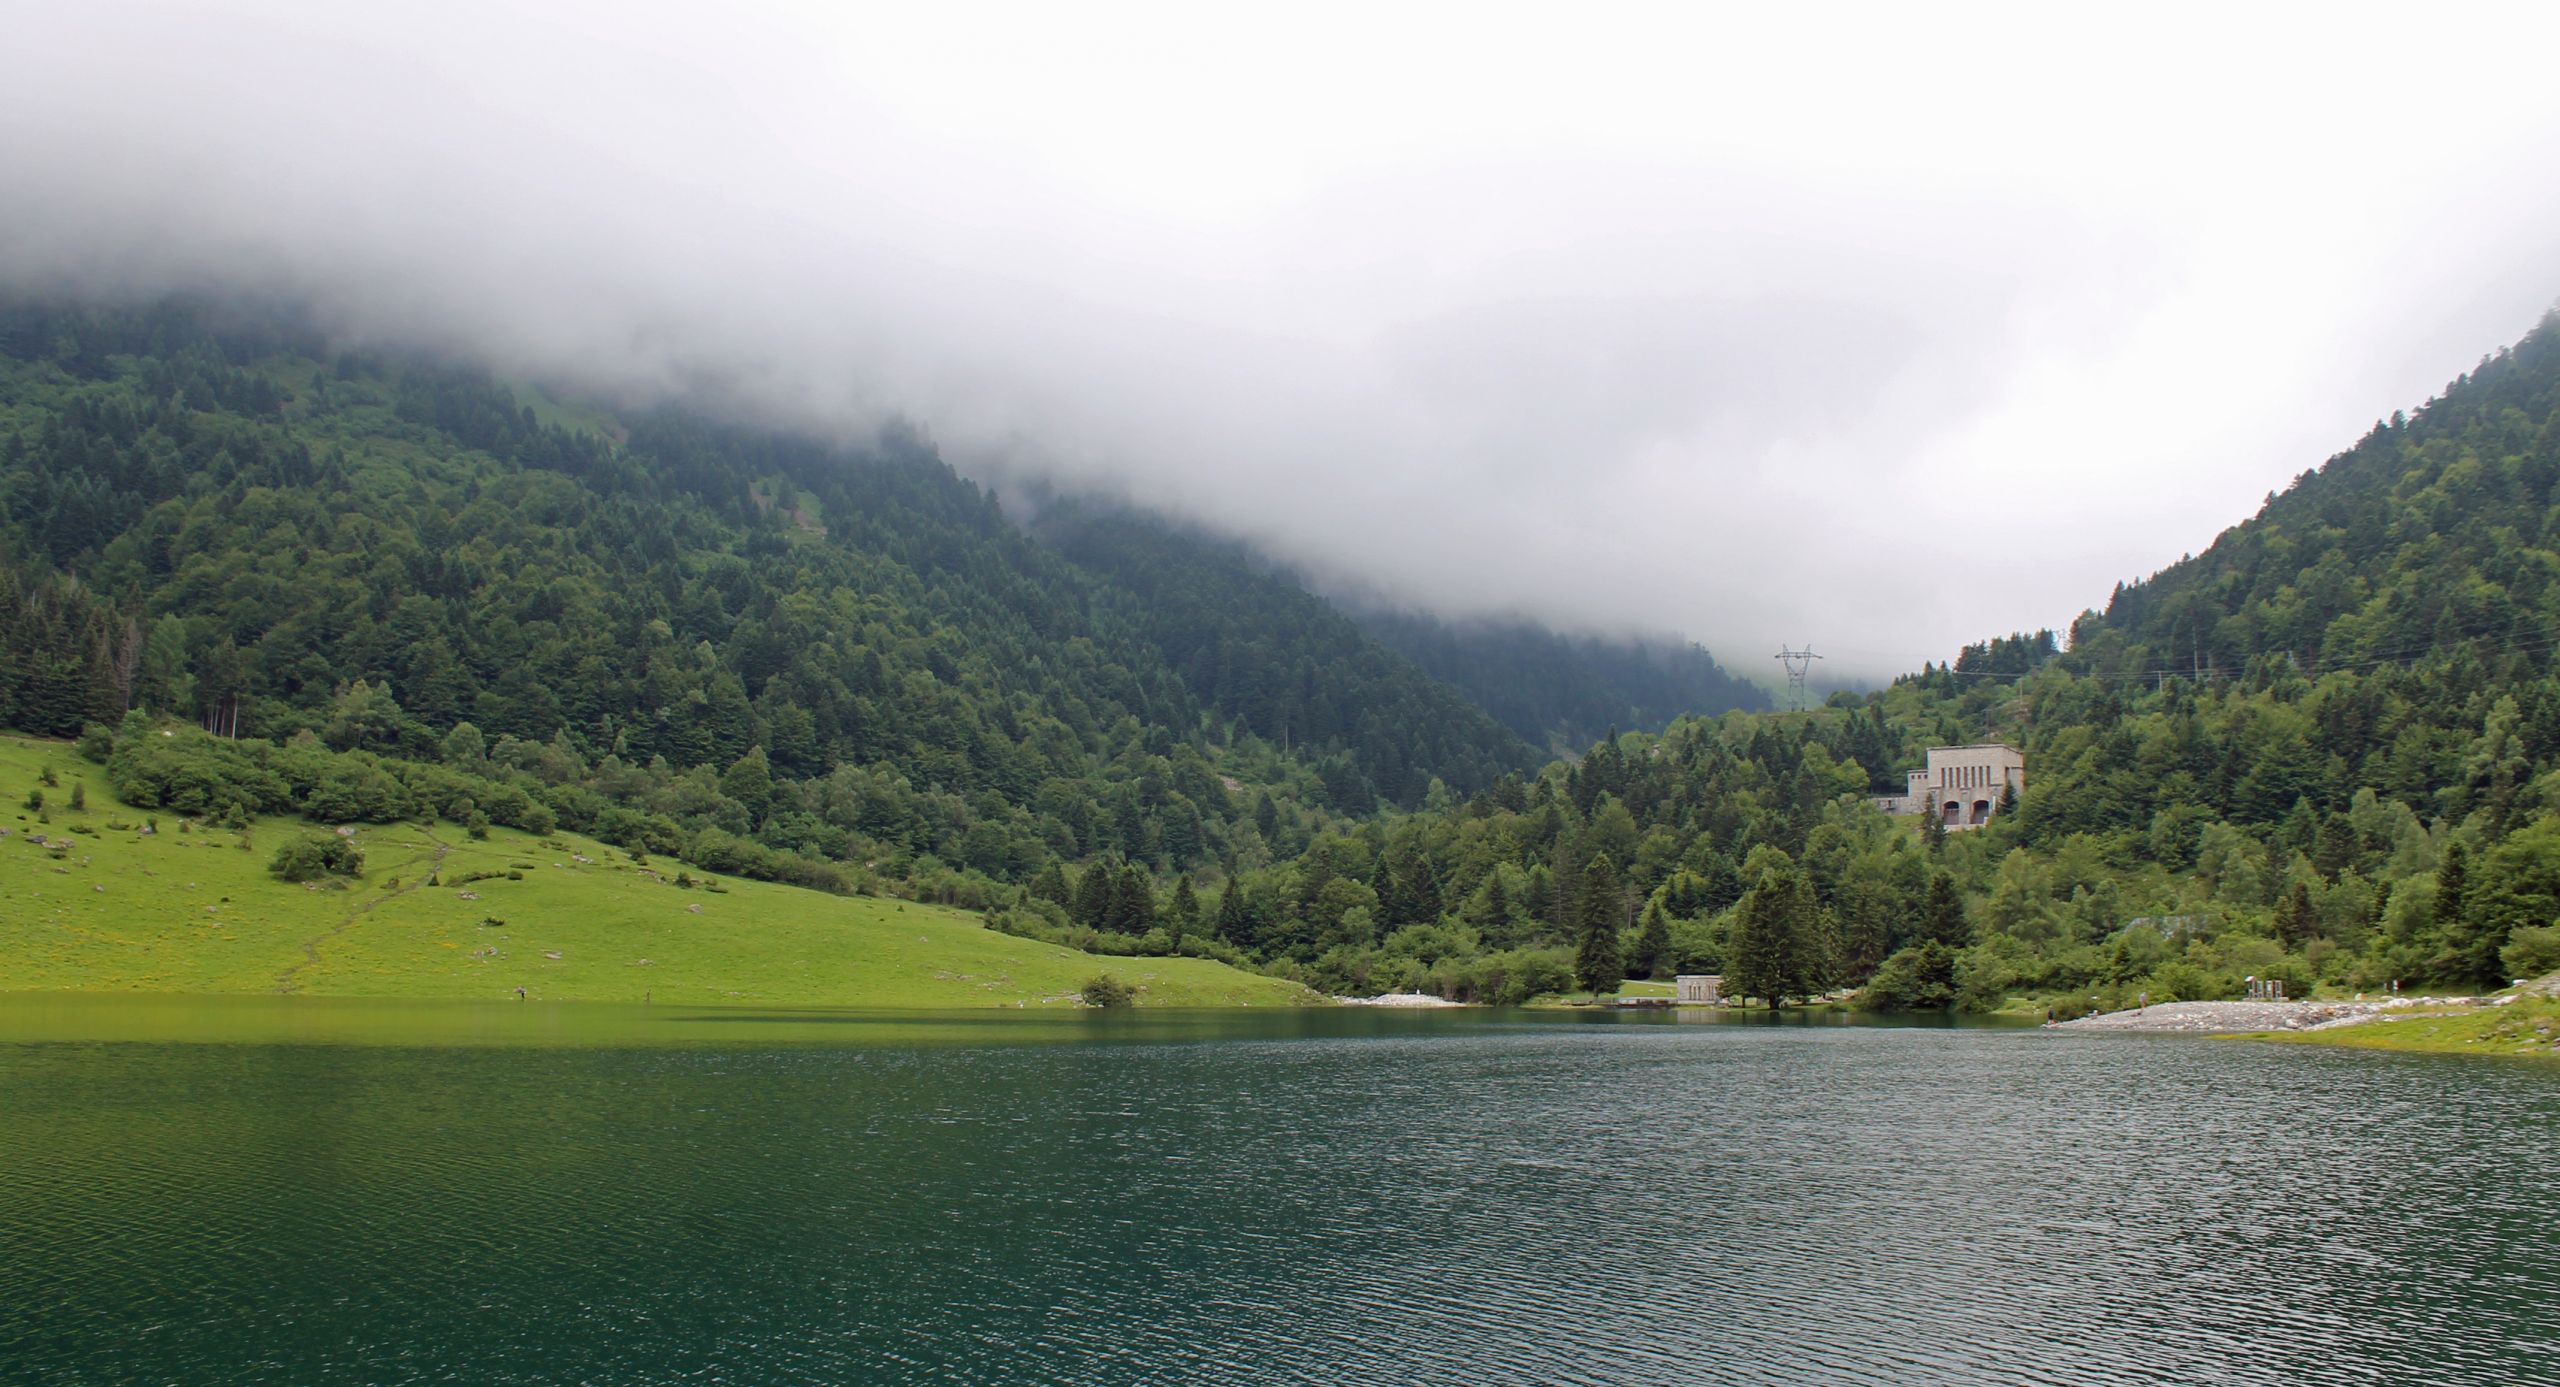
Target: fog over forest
1886 331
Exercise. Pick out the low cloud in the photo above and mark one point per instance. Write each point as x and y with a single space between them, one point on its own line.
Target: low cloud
1884 332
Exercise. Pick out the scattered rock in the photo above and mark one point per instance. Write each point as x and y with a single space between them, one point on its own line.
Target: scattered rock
1398 999
2205 1018
695 909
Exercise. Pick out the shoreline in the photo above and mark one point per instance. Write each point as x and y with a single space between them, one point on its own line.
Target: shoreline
2523 1023
2238 1018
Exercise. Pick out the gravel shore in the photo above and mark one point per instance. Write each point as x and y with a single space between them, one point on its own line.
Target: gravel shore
1398 999
2224 1017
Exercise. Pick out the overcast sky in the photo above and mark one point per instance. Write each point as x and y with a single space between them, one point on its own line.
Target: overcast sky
1884 330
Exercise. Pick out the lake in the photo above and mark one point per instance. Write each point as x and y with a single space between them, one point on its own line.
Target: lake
286 1191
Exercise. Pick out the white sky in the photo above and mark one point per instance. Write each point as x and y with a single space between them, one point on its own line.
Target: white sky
1885 329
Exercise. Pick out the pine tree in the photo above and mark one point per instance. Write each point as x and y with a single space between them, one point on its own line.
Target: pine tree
1234 926
1942 914
2453 888
1184 914
1133 901
1417 891
1597 965
1759 951
1095 892
2334 850
1653 945
2296 920
1565 890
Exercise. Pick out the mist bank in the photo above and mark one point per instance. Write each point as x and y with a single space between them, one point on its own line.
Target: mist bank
1512 322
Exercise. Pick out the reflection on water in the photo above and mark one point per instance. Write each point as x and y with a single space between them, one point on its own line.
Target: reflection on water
1314 1197
272 1020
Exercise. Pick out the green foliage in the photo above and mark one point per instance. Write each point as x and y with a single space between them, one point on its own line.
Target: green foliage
1776 950
1107 992
1597 966
2517 886
1652 956
1919 978
185 913
2328 749
2532 951
313 857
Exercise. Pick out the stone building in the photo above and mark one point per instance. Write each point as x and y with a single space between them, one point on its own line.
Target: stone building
1962 785
1699 989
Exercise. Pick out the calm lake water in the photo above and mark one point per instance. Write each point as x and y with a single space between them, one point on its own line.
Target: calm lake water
283 1192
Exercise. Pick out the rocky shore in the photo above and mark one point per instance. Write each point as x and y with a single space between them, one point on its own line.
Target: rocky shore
2230 1017
1398 999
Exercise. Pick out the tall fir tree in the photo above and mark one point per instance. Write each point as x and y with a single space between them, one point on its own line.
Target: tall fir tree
1653 945
1942 914
1597 963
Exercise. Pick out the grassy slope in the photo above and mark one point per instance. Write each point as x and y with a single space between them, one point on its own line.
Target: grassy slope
192 912
2527 1027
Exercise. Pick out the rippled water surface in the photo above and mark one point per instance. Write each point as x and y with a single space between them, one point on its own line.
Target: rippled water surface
1328 1199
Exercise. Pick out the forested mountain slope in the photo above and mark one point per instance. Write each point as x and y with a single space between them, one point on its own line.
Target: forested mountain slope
2327 751
1251 641
848 652
2436 530
1560 692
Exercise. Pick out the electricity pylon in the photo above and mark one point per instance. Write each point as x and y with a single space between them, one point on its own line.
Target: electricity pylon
1799 663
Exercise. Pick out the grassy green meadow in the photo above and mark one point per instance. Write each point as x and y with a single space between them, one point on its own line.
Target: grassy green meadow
2528 1026
104 906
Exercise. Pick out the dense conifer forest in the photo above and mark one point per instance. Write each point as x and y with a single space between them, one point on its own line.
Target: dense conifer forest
1563 693
258 574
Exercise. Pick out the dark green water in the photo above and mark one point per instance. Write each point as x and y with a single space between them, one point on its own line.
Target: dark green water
484 1197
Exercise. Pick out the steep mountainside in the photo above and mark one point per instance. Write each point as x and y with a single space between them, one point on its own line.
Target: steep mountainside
1560 692
2326 752
1255 645
209 514
2438 529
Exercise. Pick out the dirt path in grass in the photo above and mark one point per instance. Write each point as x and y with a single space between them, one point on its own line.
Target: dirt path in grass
288 980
